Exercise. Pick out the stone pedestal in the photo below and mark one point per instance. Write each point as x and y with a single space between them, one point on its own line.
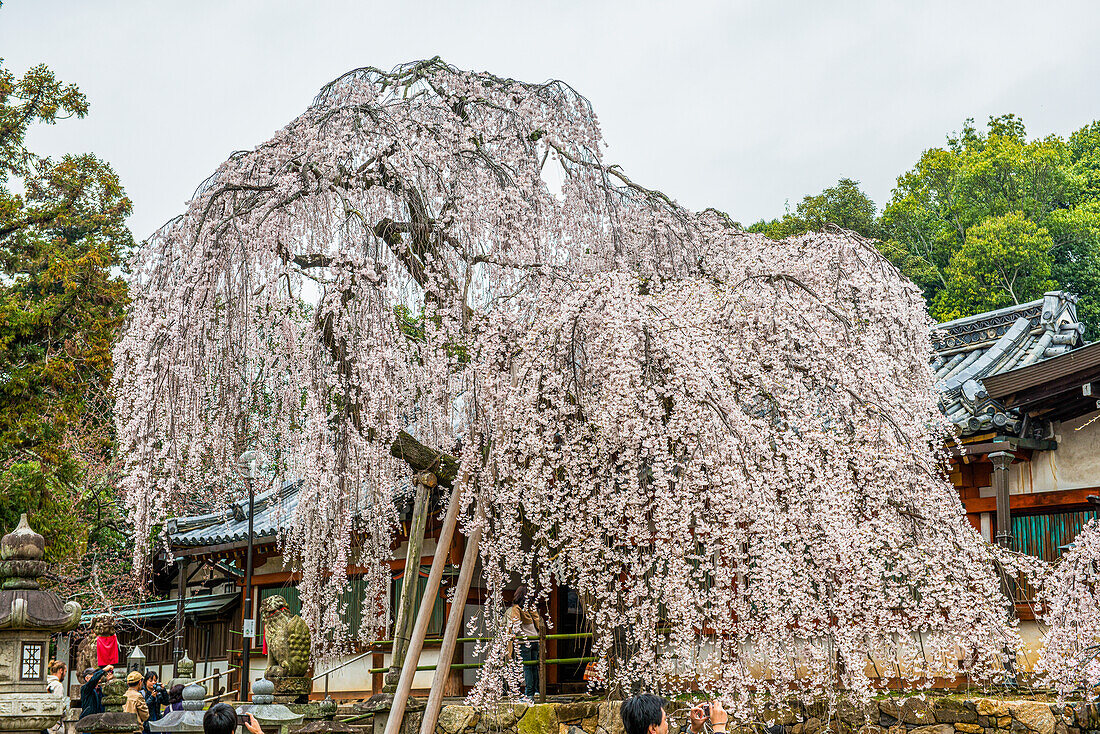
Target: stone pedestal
315 710
189 717
380 704
291 689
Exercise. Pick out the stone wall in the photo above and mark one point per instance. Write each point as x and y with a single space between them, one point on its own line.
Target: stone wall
898 715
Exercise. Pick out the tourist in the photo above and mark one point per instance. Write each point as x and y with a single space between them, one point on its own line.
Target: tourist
175 697
55 686
55 681
155 696
135 700
645 714
91 693
221 718
528 624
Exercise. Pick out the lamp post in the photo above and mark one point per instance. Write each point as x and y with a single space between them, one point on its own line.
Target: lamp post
248 468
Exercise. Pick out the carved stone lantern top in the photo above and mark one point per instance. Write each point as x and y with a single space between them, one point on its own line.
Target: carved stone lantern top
24 605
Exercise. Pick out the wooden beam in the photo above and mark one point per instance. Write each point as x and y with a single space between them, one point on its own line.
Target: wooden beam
1034 500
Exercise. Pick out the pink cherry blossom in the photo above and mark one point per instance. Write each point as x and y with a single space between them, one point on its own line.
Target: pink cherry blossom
728 446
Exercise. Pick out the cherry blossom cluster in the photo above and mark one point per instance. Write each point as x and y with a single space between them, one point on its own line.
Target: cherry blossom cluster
1070 603
724 444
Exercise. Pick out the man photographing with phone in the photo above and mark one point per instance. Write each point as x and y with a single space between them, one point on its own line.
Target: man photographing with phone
221 718
646 714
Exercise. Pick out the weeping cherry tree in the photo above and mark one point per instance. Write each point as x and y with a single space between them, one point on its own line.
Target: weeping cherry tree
729 446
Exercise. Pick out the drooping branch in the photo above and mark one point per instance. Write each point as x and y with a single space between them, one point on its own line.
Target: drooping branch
422 458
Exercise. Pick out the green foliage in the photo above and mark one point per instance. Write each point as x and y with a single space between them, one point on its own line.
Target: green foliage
988 220
995 186
62 235
1075 233
1003 261
843 205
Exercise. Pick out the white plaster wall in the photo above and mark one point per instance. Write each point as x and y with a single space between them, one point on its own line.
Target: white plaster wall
1075 464
355 676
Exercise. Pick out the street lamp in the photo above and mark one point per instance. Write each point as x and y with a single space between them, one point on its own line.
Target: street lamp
249 466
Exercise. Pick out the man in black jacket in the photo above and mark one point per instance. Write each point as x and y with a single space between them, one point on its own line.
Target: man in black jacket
91 695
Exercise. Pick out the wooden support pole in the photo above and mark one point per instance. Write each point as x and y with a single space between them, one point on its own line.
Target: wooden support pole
542 662
181 593
450 635
402 629
424 616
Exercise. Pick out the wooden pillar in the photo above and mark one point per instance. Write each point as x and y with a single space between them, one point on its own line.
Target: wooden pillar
402 629
1001 461
450 635
423 617
181 592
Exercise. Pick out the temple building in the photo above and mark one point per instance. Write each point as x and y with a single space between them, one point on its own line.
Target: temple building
1022 388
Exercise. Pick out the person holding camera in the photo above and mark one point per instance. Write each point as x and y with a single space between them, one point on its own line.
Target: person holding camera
155 696
91 691
646 714
221 718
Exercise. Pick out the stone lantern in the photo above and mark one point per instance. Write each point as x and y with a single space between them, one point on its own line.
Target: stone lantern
189 717
28 615
267 712
136 660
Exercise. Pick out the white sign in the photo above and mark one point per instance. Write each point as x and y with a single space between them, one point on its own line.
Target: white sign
249 630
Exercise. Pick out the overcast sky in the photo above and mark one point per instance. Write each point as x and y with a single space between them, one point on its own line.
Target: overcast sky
739 105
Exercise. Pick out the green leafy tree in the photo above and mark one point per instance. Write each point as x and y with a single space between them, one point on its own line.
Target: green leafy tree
1004 261
982 184
1075 233
844 205
62 301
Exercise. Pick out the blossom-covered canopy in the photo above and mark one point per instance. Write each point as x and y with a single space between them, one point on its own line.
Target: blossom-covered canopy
724 444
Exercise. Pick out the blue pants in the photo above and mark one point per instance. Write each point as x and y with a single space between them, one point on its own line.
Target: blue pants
530 651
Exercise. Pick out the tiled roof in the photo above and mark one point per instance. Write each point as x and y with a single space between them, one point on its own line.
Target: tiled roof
166 608
231 526
275 509
992 343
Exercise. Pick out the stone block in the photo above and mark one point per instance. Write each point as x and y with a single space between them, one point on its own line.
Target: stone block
1036 716
589 725
933 729
856 716
541 718
991 707
500 718
1003 722
455 719
577 712
953 711
610 720
870 729
968 728
917 711
778 717
811 725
